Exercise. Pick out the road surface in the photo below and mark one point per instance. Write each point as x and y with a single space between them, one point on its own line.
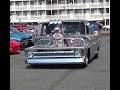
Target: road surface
62 77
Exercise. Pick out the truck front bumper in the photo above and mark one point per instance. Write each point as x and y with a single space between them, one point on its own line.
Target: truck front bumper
56 61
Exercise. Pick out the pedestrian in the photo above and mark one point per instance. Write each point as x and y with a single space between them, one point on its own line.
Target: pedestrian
37 30
94 28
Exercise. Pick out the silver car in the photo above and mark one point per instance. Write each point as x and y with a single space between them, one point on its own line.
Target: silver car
64 42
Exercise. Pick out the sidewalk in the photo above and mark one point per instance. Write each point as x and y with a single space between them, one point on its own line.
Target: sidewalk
105 33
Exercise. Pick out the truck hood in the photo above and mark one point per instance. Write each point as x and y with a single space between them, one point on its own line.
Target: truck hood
64 41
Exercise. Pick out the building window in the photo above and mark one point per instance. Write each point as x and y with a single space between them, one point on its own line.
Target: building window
84 1
70 2
39 12
78 11
78 1
93 1
107 22
84 11
24 13
34 13
35 3
11 13
11 3
62 12
101 10
39 2
87 11
25 3
100 1
19 13
61 1
32 3
107 0
48 2
93 11
107 10
18 3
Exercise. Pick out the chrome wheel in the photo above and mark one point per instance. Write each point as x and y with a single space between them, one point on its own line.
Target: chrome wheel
86 62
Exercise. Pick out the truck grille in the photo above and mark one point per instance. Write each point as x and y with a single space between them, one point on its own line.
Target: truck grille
38 54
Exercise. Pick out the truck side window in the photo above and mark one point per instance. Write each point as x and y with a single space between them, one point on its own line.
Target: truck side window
87 29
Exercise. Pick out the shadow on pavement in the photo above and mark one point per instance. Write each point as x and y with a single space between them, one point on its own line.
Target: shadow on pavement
59 66
92 60
14 53
56 66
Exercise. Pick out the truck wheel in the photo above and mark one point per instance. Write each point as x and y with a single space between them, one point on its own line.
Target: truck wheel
33 65
86 62
97 54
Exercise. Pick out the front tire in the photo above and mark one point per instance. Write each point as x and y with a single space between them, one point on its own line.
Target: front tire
97 54
86 62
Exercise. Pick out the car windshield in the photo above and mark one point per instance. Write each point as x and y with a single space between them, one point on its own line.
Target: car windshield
66 27
13 29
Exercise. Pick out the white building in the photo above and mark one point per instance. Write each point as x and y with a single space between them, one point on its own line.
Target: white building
44 10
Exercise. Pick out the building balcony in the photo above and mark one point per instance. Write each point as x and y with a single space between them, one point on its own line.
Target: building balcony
60 6
19 0
106 4
20 7
12 8
43 18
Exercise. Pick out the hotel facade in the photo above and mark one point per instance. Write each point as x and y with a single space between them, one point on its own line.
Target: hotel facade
30 11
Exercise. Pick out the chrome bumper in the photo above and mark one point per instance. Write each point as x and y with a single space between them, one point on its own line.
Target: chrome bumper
56 61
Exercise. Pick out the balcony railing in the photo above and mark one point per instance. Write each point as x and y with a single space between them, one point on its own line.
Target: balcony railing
61 6
21 7
62 17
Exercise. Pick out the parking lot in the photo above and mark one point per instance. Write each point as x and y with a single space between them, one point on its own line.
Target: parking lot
62 77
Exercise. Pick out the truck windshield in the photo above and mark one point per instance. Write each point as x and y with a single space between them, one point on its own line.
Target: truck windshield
74 27
65 27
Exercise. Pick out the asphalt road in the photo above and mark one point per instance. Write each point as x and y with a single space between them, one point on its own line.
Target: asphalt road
62 77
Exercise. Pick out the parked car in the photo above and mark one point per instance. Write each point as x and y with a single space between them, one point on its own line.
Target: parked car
31 29
14 46
106 28
27 36
64 42
21 40
21 28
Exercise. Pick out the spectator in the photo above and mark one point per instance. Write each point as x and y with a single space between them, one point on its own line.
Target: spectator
100 26
93 27
37 30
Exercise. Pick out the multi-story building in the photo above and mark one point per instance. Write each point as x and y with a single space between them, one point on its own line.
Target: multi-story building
44 10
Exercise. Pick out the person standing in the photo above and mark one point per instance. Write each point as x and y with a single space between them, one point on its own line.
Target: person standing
37 30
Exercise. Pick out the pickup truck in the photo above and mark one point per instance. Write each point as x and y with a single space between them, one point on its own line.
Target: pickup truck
64 42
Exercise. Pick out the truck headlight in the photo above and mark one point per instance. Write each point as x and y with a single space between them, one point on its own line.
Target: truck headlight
79 53
29 54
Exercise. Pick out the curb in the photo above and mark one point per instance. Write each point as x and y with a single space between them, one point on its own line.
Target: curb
105 34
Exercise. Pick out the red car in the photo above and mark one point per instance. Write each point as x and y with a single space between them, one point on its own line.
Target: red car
14 46
21 28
